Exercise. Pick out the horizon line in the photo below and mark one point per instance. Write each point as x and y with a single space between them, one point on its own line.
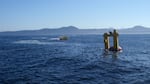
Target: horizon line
75 27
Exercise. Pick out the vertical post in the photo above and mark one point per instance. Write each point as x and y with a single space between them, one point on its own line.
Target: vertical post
106 41
116 42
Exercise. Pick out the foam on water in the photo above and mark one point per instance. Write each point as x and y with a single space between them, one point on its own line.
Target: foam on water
28 42
55 39
37 42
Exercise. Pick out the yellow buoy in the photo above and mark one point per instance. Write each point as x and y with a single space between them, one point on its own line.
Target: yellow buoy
116 42
106 41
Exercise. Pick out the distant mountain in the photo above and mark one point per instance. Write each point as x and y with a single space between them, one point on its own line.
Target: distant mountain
44 31
135 30
74 30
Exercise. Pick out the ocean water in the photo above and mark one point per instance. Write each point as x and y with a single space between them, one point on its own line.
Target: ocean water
79 60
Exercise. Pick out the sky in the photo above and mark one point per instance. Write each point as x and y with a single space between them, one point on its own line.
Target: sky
84 14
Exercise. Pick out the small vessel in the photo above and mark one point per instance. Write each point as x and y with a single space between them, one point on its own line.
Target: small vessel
63 38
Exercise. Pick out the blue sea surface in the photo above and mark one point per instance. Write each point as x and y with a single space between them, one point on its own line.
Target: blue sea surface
78 60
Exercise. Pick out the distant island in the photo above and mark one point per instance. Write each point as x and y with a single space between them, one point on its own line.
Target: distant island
74 31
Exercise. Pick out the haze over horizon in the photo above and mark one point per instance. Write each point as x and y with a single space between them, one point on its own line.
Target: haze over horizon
35 14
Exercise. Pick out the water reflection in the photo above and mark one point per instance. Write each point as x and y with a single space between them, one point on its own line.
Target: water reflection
114 55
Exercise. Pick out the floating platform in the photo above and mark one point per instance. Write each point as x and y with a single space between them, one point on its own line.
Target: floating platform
115 46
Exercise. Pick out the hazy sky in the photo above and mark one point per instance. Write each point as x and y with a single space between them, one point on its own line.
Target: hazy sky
36 14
